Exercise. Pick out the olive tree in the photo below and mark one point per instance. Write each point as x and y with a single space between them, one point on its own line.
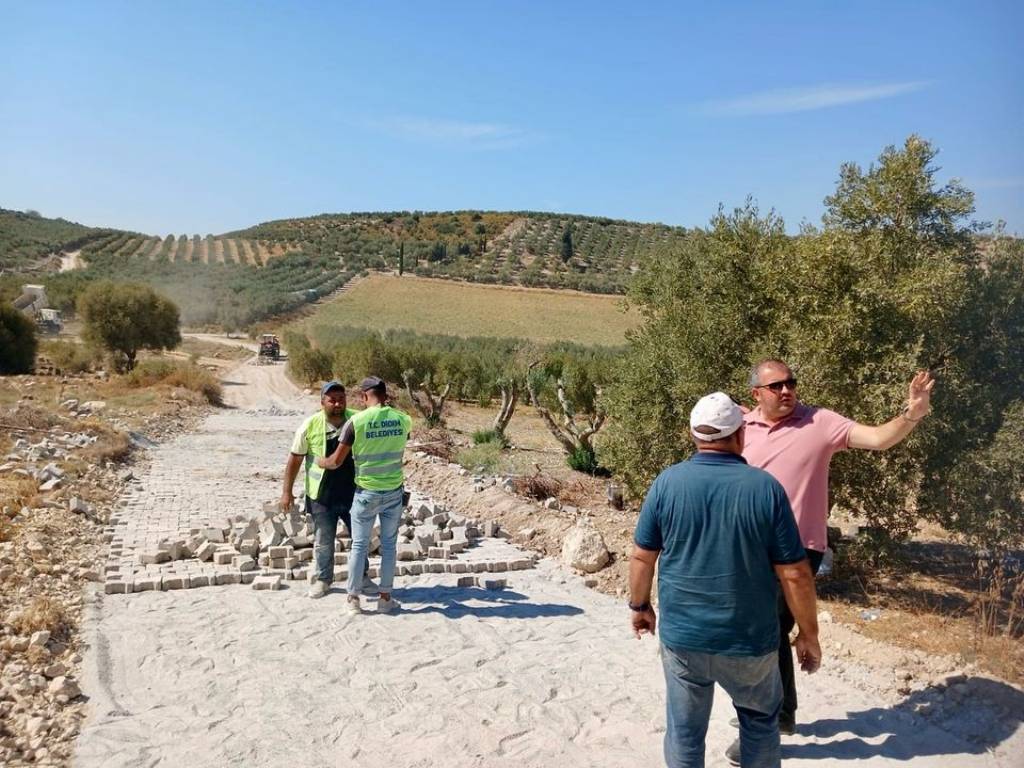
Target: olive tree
124 318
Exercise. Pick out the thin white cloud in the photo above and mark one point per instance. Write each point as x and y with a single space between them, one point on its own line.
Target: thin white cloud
786 100
473 135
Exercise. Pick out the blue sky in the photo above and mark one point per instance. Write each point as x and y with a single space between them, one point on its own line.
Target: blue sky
202 117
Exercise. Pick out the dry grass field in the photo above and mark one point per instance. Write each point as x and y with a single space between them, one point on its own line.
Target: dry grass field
463 309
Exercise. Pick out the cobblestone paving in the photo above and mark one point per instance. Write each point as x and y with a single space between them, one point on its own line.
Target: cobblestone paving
228 467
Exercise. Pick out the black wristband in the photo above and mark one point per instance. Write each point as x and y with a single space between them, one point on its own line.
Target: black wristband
639 607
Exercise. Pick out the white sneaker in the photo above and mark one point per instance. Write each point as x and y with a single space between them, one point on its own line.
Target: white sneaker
369 586
353 607
388 606
317 589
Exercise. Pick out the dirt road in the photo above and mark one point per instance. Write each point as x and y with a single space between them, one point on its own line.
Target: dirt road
542 673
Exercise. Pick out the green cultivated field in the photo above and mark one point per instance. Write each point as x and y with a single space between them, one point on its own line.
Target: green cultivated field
460 309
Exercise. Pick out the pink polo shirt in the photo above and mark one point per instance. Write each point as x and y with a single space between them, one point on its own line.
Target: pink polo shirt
797 452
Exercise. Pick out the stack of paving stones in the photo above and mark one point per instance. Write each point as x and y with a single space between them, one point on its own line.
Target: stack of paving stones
275 546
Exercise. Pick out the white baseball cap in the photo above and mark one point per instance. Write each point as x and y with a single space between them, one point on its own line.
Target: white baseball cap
717 411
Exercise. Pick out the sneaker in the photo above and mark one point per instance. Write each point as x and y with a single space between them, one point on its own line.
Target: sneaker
317 589
369 587
732 754
353 607
388 606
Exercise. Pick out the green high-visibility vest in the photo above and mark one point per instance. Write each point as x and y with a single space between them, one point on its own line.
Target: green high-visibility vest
316 447
380 436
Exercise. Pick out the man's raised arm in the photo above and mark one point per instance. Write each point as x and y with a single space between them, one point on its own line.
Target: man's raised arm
885 436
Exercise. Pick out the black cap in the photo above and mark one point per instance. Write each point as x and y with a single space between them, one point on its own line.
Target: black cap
371 382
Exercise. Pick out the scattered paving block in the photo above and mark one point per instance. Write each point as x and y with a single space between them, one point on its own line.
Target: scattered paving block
491 583
153 558
229 577
200 580
460 567
213 534
116 587
340 558
205 551
249 547
435 567
249 576
500 566
480 567
306 555
224 556
299 574
454 547
437 552
264 560
415 569
491 528
243 563
407 551
340 574
520 565
148 583
467 581
280 552
176 581
266 582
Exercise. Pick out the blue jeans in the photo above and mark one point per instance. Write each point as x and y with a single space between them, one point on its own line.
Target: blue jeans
755 687
325 531
366 507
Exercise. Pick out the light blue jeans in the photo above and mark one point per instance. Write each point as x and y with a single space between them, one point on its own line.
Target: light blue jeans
753 683
366 507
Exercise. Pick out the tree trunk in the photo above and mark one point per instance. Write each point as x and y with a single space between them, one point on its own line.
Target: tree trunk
509 399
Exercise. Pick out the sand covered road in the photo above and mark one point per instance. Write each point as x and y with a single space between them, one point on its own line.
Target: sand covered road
543 673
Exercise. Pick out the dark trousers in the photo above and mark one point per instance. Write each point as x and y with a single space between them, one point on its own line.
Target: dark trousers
786 623
325 519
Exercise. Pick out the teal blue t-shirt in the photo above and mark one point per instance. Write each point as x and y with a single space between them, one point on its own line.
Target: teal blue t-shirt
720 525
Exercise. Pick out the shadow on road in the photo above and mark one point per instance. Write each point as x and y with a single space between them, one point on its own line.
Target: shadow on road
505 603
974 727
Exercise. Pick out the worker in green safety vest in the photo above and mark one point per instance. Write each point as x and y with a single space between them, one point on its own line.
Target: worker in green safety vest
328 492
376 438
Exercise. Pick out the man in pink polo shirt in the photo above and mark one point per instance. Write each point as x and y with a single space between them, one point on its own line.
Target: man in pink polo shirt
795 443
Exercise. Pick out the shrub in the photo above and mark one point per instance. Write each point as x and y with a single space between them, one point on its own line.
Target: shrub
176 374
43 613
584 460
17 342
485 458
537 486
483 436
69 357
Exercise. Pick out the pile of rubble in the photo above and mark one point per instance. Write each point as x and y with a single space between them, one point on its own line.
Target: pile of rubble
41 572
276 545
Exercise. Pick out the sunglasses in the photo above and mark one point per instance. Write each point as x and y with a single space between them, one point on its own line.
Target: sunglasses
776 386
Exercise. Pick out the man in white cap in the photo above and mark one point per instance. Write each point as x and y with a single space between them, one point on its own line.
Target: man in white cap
723 537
